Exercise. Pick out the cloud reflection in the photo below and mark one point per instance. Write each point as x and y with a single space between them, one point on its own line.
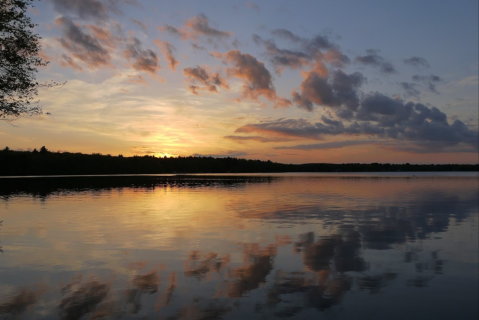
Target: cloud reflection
289 247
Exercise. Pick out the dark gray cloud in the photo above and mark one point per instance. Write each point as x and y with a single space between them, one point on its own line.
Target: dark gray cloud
281 58
317 43
172 30
328 145
241 139
308 50
311 45
302 102
199 25
383 117
197 47
417 62
195 27
340 89
85 9
410 89
83 45
373 59
430 81
90 9
292 128
209 81
286 34
144 60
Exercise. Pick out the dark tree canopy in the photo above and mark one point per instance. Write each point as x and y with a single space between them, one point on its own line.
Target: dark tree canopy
19 59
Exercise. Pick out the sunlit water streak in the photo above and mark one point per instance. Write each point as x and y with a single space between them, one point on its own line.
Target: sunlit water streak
299 246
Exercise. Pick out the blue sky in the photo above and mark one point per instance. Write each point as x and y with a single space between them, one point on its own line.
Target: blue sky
303 81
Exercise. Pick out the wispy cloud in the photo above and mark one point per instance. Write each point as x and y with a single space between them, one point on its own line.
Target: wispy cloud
140 24
168 51
242 139
85 44
145 60
328 145
209 81
198 26
98 10
417 62
373 59
430 81
307 51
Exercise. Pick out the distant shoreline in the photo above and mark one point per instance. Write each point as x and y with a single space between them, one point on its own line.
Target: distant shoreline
45 163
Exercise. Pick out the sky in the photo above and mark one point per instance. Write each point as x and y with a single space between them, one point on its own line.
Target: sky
291 82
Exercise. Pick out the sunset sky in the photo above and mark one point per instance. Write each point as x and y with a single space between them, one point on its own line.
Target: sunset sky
288 81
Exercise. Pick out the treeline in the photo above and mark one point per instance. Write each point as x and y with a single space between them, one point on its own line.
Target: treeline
44 162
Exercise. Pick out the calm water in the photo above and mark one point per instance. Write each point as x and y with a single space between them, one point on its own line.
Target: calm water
299 246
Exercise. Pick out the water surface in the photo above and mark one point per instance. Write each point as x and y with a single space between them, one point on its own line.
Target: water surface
293 246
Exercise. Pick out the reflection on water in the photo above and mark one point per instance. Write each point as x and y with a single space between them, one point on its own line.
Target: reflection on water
236 247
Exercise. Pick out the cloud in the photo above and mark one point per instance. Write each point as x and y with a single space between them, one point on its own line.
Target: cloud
286 34
83 45
410 89
90 9
291 128
319 49
140 24
253 6
85 9
67 61
374 60
312 45
199 25
197 47
196 27
167 50
328 145
383 117
429 81
210 81
340 90
136 78
417 62
281 58
170 29
144 60
257 80
241 139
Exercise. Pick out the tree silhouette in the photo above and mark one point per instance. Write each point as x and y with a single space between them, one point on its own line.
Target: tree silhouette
19 59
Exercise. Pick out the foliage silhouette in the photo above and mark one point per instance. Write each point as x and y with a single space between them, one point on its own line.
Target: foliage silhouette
22 163
19 59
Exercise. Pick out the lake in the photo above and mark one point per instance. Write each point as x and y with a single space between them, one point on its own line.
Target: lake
273 246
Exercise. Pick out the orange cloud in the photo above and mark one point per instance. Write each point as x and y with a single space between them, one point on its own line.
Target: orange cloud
256 78
145 60
167 50
92 48
210 81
